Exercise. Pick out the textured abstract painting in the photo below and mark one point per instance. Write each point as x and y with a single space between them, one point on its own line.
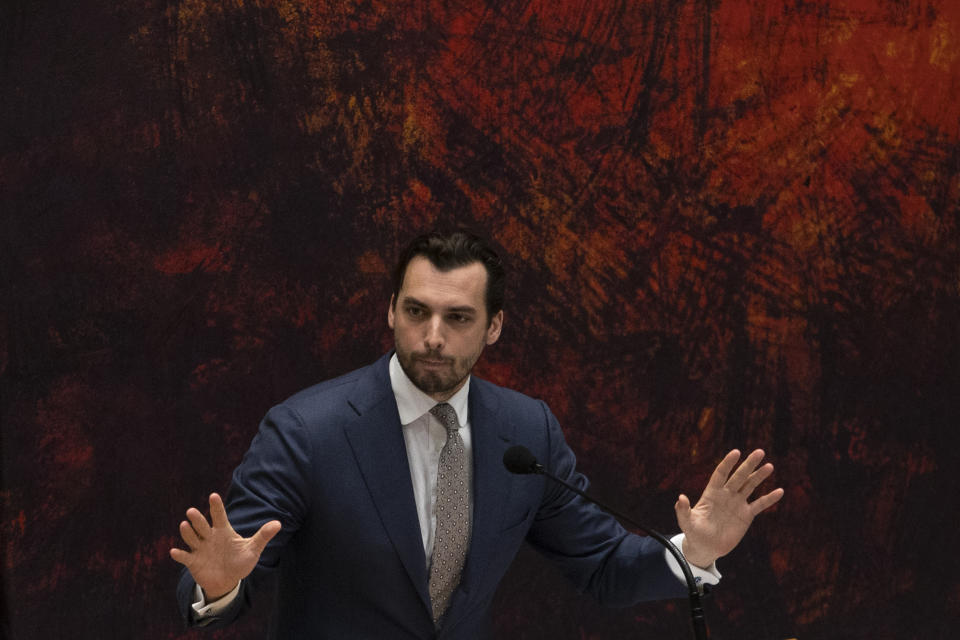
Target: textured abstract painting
727 223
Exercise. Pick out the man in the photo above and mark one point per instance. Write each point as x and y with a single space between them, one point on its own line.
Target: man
379 502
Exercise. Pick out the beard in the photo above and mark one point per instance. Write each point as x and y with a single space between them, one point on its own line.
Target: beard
433 373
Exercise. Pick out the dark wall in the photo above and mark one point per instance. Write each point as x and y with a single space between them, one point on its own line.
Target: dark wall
730 224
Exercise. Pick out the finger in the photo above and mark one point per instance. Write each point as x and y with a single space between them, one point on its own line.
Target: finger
218 513
756 478
199 523
739 477
189 535
722 472
766 501
181 556
682 507
265 534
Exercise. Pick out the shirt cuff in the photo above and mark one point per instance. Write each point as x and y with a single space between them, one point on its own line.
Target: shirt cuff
203 610
710 575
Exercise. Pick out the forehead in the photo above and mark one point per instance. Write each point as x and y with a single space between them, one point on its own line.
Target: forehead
461 286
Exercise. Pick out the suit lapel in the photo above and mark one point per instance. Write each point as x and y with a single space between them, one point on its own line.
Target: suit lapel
490 432
376 438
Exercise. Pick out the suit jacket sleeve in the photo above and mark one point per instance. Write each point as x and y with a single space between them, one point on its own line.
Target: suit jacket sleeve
590 547
269 484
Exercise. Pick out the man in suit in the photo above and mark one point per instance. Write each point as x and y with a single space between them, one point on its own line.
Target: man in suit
379 504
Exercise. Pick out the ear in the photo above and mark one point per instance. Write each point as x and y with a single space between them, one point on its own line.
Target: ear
496 325
390 316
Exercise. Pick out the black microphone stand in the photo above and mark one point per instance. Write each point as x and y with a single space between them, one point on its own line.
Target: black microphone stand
696 610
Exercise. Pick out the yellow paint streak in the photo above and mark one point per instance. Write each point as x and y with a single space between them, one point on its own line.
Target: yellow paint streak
288 11
943 48
413 133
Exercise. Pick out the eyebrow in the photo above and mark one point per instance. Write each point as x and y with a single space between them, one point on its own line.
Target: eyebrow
460 309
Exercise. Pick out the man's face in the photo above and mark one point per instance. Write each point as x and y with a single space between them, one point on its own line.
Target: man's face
440 325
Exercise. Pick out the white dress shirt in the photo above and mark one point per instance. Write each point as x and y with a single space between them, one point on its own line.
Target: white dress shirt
424 438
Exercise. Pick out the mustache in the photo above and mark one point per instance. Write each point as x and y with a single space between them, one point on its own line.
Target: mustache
432 356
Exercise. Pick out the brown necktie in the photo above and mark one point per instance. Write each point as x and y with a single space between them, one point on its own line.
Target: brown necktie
453 515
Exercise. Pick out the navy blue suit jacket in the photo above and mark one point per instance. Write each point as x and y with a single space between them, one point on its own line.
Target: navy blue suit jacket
330 464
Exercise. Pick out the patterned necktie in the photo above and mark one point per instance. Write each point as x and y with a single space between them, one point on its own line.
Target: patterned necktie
453 516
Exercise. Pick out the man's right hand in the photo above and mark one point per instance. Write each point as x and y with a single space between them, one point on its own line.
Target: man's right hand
219 557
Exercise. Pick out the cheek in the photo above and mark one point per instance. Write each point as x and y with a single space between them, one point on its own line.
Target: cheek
480 342
402 333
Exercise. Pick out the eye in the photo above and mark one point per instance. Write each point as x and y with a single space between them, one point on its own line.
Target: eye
459 318
415 312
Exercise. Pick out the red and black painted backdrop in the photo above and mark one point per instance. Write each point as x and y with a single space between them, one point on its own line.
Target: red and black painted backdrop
730 223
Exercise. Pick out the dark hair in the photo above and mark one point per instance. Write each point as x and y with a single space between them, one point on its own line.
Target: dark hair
450 251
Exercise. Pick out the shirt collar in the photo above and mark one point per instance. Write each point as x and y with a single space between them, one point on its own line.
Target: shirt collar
412 403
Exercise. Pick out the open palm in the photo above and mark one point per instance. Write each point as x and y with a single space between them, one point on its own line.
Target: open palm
219 557
722 515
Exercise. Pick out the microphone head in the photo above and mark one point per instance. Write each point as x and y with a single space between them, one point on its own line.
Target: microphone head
518 459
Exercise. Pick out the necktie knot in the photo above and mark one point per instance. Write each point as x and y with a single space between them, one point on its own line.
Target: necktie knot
446 415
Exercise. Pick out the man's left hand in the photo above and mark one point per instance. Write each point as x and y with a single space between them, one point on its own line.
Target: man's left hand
723 514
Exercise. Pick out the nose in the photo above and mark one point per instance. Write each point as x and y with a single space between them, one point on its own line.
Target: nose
434 340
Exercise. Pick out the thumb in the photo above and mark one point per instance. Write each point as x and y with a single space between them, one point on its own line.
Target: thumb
264 535
682 507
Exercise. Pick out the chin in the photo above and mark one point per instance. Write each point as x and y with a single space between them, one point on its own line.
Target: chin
432 384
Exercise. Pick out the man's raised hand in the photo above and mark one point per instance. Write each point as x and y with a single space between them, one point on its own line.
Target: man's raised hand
723 513
219 557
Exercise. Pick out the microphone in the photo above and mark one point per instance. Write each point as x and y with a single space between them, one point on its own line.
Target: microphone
519 460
